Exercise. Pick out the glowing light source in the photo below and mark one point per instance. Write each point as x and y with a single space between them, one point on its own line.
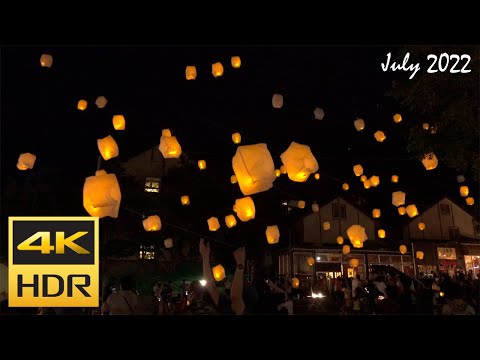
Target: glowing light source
108 147
430 161
379 136
272 234
339 240
218 273
421 226
299 162
185 200
397 118
46 60
236 138
101 195
319 113
464 191
230 221
118 122
236 62
202 164
412 210
381 233
311 261
394 178
358 170
245 208
26 161
277 101
152 223
403 249
217 69
376 213
82 105
191 72
101 102
359 124
345 186
213 224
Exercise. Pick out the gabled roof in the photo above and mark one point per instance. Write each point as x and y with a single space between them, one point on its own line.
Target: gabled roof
348 202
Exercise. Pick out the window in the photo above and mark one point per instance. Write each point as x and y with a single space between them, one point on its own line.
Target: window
444 209
454 232
339 211
152 184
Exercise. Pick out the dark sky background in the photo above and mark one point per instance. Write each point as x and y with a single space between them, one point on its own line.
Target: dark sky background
148 86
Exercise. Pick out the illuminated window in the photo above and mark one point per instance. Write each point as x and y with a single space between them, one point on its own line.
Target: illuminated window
444 209
152 184
147 252
339 211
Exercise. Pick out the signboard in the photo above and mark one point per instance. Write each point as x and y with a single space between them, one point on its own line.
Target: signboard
446 253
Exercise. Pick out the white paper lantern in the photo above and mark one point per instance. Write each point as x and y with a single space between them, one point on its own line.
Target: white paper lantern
299 162
398 198
46 60
379 136
460 179
168 243
170 147
359 124
430 161
101 102
315 208
26 161
319 113
277 101
245 208
101 195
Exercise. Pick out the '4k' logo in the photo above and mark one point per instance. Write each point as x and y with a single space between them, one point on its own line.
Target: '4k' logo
60 243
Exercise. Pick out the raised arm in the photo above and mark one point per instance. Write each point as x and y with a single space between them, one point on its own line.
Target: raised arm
207 272
236 292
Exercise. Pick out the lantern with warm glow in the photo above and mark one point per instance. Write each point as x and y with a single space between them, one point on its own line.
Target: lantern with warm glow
359 124
353 262
397 118
319 114
469 200
108 147
299 162
152 223
381 233
401 210
379 136
101 102
26 161
217 69
283 169
168 243
398 198
394 178
464 191
245 208
367 184
403 249
118 122
101 195
411 210
236 62
169 147
191 72
311 261
213 224
356 234
233 179
326 225
218 273
430 161
317 176
277 101
419 255
425 126
254 168
375 180
46 60
346 249
273 234
230 221
236 138
363 178
315 208
301 204
202 165
376 213
421 226
295 283
358 170
185 200
339 240
345 186
166 132
278 172
460 179
82 105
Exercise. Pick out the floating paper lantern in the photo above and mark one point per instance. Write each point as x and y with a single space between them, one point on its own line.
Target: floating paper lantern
311 261
170 147
108 147
236 62
430 161
379 136
358 170
345 186
46 60
301 204
236 138
367 184
425 126
245 208
82 105
317 176
419 255
254 168
202 165
152 223
375 180
191 72
345 249
356 233
230 221
299 162
469 200
278 172
166 132
315 208
185 200
394 178
359 124
403 249
353 262
213 224
412 210
401 210
101 195
339 240
277 101
217 69
464 191
118 122
326 225
397 118
398 198
460 179
363 178
218 273
168 243
233 179
101 102
319 113
273 234
381 233
295 283
421 226
26 161
376 213
283 169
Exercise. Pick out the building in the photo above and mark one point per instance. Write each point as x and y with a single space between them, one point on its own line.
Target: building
450 240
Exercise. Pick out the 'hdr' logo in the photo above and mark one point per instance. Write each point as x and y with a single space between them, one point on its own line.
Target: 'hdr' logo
53 262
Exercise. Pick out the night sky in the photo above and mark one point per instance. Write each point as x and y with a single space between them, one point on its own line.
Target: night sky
148 86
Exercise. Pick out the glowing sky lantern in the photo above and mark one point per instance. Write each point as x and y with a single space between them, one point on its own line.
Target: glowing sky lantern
236 138
278 172
202 164
315 208
359 124
353 262
381 233
345 186
403 249
168 243
401 210
254 168
379 136
277 101
295 283
367 184
185 200
376 213
101 102
218 273
152 223
358 170
166 132
339 240
469 200
169 147
233 179
217 69
419 255
460 179
326 225
411 210
394 178
398 198
272 234
26 161
191 72
397 118
464 191
46 60
213 224
301 204
375 180
283 169
345 249
118 122
421 226
310 261
82 105
356 234
245 208
236 62
101 195
299 162
319 113
363 178
108 147
425 126
317 176
430 161
230 221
